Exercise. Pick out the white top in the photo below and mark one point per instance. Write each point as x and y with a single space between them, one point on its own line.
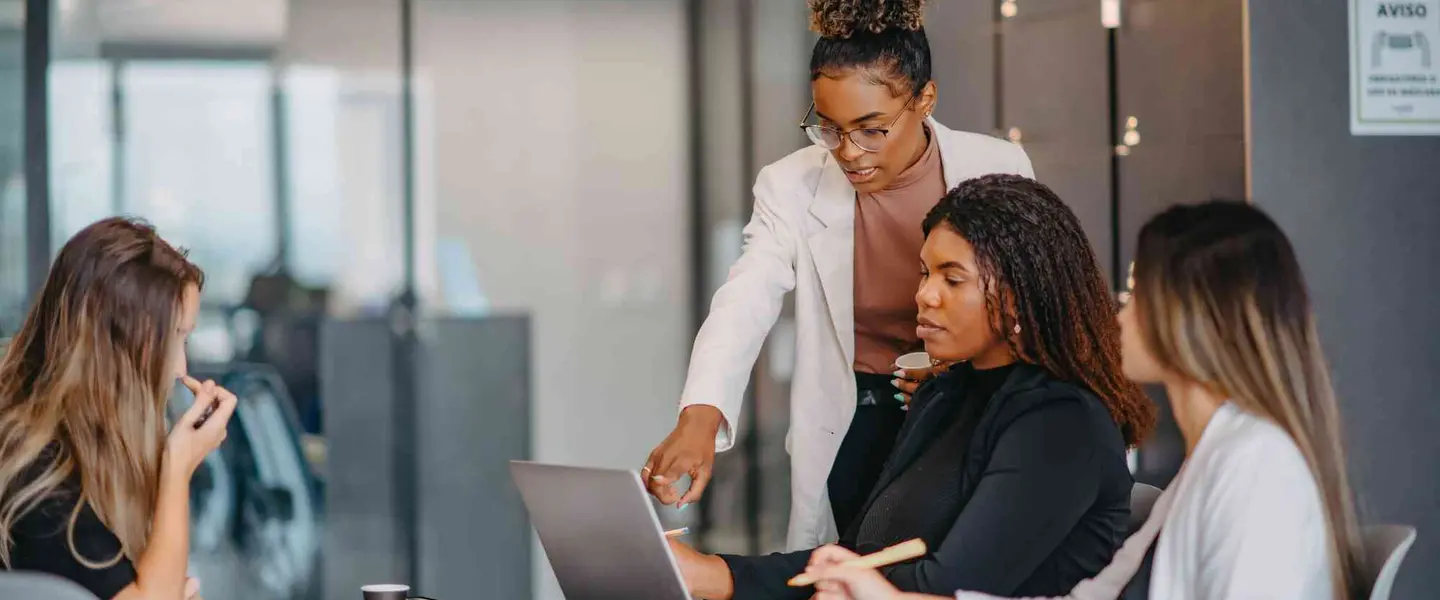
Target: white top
1244 519
1248 521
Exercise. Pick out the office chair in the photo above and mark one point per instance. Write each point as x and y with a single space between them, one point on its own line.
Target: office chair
1385 548
1142 499
22 585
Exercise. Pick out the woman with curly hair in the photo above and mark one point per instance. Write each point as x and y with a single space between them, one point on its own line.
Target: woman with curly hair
1262 507
1011 464
837 223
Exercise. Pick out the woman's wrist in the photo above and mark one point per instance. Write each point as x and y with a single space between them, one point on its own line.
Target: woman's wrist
161 568
702 417
174 470
713 580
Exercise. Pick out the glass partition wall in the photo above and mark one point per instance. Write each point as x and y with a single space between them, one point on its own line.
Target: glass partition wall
329 161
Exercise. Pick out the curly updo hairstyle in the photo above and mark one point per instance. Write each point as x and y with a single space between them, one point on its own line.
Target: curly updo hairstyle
883 40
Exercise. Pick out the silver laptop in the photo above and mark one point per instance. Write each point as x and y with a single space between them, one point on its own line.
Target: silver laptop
600 532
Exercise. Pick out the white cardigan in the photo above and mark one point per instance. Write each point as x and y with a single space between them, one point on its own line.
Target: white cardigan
1244 519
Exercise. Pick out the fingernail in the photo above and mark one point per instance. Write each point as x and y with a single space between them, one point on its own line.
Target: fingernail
905 408
900 397
899 373
682 507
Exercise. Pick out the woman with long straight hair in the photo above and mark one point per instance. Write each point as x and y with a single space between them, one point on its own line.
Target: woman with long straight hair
92 487
1262 507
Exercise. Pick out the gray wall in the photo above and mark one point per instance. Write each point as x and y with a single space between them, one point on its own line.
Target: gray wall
1362 212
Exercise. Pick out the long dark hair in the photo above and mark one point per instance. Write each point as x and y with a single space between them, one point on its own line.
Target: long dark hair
1221 301
1040 273
83 384
884 39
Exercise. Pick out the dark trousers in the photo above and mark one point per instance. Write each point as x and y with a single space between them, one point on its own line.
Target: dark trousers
878 416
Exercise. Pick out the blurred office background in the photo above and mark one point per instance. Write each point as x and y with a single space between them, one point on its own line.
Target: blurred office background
441 234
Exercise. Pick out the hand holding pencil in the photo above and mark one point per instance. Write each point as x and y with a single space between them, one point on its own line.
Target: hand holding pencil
839 574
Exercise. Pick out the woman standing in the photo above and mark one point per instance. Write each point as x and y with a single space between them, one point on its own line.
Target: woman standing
838 224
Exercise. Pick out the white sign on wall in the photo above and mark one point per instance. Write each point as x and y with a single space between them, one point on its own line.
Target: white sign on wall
1395 67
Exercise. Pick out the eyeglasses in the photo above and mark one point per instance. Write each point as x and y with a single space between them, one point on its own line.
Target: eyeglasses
871 139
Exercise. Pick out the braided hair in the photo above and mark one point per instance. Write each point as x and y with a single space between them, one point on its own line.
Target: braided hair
1039 272
882 39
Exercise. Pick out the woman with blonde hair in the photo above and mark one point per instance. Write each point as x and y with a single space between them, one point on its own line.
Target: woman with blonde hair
92 487
1262 507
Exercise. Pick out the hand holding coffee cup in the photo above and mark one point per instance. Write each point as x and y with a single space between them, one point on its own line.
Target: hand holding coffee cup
912 370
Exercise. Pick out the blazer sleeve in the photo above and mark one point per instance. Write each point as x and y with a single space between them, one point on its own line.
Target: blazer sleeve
765 577
1041 479
1022 163
744 308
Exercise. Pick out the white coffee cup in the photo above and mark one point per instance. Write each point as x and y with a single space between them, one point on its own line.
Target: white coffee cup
913 361
386 591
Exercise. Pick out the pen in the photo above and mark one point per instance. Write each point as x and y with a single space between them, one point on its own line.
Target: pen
898 553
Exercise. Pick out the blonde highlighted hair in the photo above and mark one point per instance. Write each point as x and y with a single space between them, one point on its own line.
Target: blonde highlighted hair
83 384
1221 301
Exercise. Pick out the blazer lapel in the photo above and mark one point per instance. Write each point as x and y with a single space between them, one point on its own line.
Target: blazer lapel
953 154
919 427
833 250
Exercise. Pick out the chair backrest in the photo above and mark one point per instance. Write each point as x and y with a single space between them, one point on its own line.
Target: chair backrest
22 585
1142 499
1385 548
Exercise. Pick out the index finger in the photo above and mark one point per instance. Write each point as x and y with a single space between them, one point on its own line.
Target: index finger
192 384
654 486
651 462
204 396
